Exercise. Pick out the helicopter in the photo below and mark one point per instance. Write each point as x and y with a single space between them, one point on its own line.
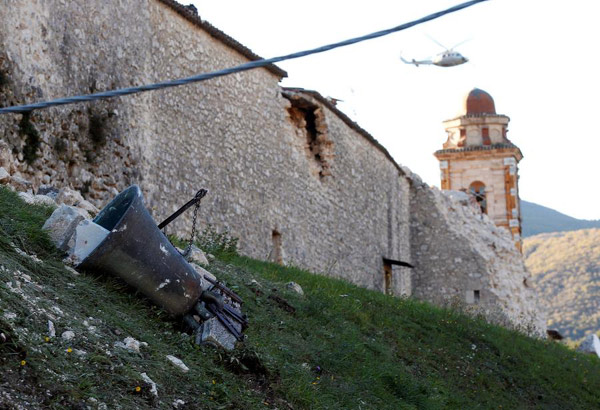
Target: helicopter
448 58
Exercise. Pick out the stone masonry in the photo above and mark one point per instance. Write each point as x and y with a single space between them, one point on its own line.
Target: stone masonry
288 174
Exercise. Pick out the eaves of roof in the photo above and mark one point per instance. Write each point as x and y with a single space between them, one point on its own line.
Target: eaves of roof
219 35
508 145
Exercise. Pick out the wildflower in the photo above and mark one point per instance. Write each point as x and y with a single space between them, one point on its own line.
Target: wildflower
47 339
138 389
214 381
69 350
23 362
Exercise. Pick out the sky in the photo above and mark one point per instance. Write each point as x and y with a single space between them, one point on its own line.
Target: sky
538 60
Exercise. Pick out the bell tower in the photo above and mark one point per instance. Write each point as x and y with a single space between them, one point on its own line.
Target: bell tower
479 159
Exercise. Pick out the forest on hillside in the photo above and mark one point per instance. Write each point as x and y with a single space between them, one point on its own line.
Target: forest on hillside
565 268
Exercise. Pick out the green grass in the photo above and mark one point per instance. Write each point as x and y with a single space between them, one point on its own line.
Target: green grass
337 347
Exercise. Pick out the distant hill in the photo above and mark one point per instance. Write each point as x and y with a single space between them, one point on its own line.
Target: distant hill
539 219
565 268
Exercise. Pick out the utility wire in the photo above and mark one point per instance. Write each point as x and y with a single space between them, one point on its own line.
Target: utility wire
243 67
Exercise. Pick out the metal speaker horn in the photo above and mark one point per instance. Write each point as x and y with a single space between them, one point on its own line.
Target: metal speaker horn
136 251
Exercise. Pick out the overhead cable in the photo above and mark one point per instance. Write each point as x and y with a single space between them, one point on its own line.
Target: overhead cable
242 67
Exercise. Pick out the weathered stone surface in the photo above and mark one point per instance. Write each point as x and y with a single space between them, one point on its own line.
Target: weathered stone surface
591 345
20 184
72 197
295 287
462 256
62 225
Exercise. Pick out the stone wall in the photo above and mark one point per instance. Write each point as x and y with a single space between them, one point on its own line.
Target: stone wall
461 256
337 204
288 174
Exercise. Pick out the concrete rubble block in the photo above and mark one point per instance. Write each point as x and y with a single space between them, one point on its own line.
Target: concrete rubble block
62 225
4 176
590 345
197 255
212 332
178 363
88 235
295 287
205 284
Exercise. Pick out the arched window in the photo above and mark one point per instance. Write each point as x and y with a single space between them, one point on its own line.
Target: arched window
477 189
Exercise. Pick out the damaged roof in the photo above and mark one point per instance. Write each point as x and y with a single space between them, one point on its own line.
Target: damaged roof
353 125
195 19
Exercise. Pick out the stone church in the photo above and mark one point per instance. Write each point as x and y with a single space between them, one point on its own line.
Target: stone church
288 173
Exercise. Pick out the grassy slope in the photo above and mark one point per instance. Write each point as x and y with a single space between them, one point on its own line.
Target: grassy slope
340 347
565 267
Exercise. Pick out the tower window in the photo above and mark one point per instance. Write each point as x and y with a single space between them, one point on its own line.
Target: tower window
485 135
477 189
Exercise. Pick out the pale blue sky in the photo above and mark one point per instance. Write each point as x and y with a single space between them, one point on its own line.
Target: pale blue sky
538 59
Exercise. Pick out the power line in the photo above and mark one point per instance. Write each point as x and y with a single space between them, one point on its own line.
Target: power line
243 67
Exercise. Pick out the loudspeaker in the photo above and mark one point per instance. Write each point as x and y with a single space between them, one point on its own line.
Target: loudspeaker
136 251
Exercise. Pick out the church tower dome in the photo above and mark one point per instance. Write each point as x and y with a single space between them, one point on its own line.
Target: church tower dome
478 102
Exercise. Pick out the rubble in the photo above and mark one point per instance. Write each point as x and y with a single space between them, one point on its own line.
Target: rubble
51 329
68 196
178 404
87 237
4 176
36 199
68 335
197 255
62 225
178 363
590 345
212 332
204 283
153 388
48 190
130 344
20 184
295 287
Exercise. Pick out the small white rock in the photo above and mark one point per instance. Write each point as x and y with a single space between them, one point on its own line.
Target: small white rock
295 287
177 404
68 335
51 329
153 388
130 344
178 363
